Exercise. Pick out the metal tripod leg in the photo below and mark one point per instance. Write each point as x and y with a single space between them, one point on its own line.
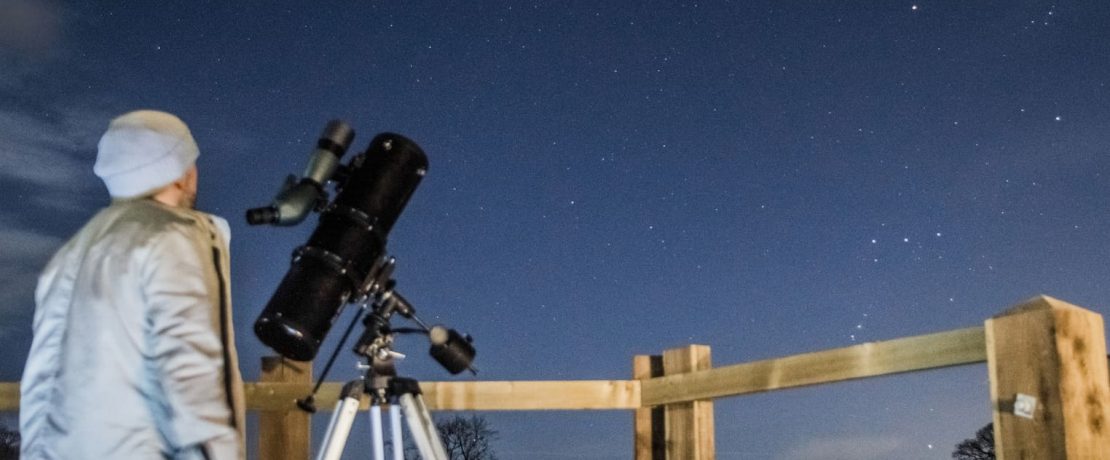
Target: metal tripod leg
340 426
378 445
395 432
407 404
422 428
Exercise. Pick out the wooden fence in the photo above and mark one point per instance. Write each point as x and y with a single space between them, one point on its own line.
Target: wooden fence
1046 359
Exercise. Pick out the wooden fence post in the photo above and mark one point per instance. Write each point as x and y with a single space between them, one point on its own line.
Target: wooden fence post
689 426
648 425
1049 382
284 434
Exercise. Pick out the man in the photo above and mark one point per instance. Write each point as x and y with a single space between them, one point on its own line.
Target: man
133 355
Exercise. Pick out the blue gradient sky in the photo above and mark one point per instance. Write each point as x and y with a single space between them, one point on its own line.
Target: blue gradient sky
612 179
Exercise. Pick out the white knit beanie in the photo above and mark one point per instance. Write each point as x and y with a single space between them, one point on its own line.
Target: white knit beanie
143 151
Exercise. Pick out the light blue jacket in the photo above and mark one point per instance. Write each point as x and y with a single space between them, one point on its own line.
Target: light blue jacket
133 354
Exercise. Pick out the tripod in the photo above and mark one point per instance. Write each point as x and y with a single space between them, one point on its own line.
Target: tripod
380 382
383 387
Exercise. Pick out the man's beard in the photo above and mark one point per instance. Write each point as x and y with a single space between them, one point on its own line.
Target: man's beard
189 201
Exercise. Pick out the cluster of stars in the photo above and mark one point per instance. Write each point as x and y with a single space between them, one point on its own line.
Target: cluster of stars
907 240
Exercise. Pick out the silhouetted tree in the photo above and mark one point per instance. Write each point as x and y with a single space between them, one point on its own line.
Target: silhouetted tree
467 438
9 444
981 447
464 438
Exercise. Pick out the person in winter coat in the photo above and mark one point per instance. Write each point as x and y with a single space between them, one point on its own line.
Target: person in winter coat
133 354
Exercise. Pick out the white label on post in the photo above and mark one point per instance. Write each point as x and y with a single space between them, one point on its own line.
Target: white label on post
1025 406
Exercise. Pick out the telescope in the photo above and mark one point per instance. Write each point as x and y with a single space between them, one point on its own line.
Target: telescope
344 260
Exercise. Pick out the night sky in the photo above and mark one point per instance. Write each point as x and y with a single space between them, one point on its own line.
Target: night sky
618 178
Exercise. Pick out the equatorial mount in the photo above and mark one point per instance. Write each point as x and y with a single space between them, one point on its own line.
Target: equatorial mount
379 301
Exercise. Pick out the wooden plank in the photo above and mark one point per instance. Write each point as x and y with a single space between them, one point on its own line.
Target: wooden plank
486 395
284 432
648 425
263 396
532 395
9 396
902 355
1054 352
963 346
689 425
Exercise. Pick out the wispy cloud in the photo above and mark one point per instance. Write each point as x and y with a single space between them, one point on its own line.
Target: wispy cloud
29 26
46 173
47 146
45 151
23 255
48 131
847 448
22 245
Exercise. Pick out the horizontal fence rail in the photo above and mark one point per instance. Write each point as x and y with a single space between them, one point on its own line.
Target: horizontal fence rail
964 346
9 396
487 395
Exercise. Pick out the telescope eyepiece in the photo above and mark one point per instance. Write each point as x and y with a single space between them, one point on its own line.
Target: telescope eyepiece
266 215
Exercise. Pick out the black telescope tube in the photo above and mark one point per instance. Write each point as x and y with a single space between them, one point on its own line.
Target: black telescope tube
329 270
